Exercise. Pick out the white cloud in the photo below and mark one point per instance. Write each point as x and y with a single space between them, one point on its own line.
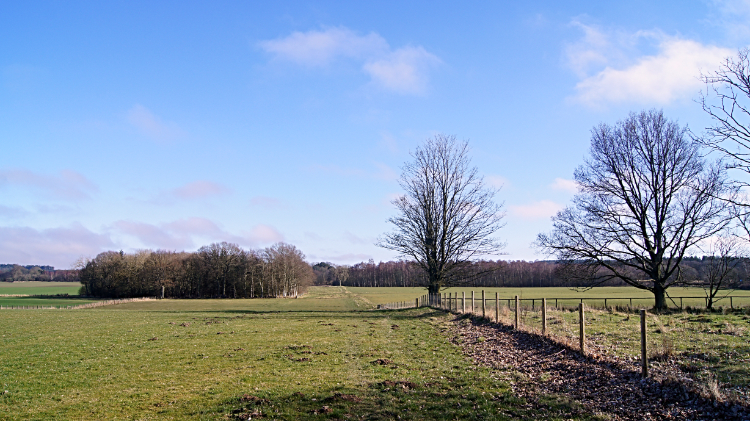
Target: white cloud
614 69
538 210
152 126
66 185
59 247
264 234
670 75
565 185
194 232
403 70
320 48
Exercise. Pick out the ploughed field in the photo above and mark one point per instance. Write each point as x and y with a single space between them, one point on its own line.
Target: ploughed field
328 355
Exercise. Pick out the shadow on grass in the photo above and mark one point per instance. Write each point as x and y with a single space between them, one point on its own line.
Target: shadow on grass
447 398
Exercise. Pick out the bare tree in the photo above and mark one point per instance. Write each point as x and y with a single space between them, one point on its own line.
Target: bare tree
721 268
726 90
646 197
727 101
342 273
447 216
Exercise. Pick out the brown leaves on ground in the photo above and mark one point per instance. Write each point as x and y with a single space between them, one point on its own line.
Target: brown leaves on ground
342 397
541 370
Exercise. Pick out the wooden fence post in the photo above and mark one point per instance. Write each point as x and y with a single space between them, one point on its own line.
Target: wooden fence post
544 317
484 311
497 307
463 301
582 328
517 312
644 359
416 303
472 302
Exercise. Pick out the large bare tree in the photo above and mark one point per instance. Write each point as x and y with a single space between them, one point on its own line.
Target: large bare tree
447 215
646 197
727 101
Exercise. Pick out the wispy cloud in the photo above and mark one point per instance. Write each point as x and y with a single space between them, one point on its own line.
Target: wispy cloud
199 189
382 171
613 69
152 125
732 17
563 184
497 181
194 232
12 212
265 202
537 210
348 236
403 70
67 184
59 247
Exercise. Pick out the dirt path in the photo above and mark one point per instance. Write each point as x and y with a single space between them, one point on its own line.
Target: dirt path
543 371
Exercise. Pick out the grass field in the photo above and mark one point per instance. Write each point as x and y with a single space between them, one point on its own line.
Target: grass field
594 297
311 358
39 288
35 289
325 355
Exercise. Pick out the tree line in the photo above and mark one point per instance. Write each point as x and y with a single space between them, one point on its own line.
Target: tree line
219 270
696 271
18 273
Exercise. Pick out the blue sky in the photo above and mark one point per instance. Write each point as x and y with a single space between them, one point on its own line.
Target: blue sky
174 124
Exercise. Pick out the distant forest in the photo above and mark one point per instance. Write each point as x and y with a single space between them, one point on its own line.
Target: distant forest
18 273
489 273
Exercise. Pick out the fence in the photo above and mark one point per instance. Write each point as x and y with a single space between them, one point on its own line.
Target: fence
79 306
453 301
613 329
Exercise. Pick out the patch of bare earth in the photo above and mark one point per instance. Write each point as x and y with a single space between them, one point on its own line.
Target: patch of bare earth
541 370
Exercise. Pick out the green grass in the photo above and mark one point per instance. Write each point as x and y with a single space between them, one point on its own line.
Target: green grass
36 301
309 358
595 296
39 288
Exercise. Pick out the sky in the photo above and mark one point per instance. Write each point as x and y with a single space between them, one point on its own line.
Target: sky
175 124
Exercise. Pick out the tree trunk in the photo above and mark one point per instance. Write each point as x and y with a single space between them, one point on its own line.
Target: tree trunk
660 302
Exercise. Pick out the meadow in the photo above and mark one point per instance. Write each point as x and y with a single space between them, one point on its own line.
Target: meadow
41 294
320 357
326 355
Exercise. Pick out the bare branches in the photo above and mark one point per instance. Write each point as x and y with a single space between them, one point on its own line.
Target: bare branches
646 197
447 216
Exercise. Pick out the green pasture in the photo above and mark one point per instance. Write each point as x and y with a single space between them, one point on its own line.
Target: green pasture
39 288
707 344
230 359
36 301
594 297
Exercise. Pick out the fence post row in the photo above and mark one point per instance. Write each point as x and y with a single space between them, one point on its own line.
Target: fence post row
497 307
544 317
644 360
582 328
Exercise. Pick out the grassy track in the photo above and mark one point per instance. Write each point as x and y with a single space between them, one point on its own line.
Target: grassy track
311 358
39 288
